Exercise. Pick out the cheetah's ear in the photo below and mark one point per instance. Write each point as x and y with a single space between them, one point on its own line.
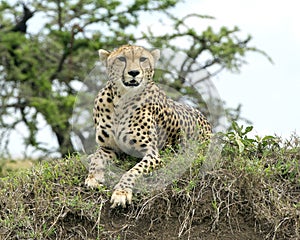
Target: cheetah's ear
103 54
156 54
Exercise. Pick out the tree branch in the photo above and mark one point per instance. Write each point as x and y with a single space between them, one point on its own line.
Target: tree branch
21 26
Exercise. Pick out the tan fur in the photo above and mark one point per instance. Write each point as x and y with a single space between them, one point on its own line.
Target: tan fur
133 116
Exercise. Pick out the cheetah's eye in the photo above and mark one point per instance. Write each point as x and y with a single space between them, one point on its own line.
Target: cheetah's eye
122 59
143 59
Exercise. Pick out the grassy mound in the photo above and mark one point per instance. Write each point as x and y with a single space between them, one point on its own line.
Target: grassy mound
252 193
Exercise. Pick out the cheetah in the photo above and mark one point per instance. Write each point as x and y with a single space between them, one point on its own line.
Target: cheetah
132 115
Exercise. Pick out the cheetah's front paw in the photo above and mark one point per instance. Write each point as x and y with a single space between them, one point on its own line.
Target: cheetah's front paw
92 182
120 197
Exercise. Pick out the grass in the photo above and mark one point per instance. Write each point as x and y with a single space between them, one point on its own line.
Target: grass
9 166
253 192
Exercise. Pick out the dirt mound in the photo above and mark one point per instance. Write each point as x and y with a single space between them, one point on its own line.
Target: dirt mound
248 195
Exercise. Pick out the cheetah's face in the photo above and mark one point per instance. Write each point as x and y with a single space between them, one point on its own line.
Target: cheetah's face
129 66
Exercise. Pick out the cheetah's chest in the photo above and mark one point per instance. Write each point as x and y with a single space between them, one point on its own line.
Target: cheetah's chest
132 126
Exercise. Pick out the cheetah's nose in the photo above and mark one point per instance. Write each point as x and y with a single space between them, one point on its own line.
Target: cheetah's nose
134 73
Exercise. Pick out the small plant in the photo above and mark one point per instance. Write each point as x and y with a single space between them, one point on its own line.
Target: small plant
238 141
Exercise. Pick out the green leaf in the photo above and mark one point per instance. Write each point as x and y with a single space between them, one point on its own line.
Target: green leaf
268 137
248 129
239 142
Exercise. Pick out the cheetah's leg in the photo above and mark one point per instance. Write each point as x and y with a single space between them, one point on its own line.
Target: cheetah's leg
97 163
123 190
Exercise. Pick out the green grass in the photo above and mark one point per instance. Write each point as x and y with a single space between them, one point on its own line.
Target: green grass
255 185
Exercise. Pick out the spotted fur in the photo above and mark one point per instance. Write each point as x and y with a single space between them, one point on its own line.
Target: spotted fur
132 115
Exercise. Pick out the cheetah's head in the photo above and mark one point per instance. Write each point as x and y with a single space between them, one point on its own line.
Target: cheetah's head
129 66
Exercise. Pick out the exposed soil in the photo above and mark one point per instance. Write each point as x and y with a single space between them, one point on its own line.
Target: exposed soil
170 227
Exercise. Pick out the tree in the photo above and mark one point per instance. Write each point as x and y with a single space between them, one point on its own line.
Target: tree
38 70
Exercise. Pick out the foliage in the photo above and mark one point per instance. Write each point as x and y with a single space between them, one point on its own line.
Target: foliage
39 70
247 196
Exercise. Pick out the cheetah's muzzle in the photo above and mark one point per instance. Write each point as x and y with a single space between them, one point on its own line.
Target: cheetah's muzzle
131 83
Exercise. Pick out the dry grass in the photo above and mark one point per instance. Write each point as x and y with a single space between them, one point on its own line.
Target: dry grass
250 194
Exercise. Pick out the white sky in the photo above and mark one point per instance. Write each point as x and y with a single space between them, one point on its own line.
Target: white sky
269 94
